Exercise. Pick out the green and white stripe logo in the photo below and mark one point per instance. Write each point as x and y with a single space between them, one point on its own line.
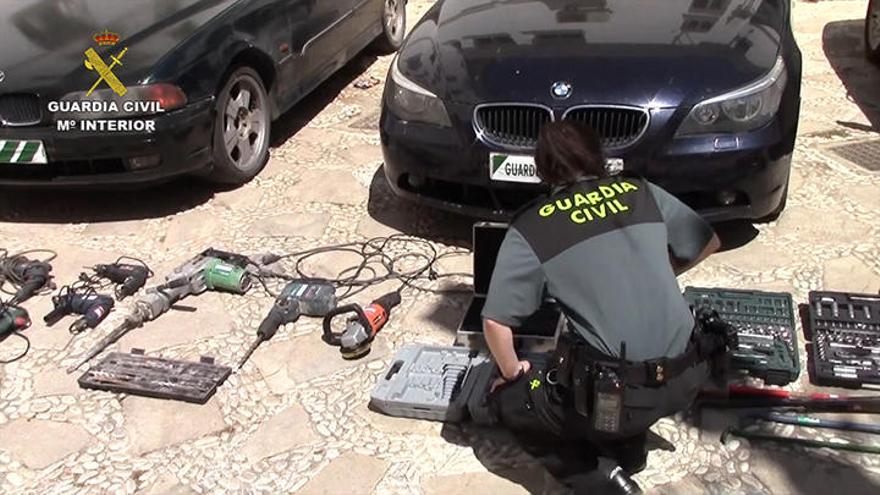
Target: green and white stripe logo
22 152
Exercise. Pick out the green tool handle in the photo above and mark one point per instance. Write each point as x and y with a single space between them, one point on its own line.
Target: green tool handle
818 444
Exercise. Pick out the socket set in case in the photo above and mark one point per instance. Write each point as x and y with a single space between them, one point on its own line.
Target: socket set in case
845 332
765 323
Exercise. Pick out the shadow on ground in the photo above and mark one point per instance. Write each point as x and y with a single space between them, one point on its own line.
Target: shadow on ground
844 45
28 206
417 220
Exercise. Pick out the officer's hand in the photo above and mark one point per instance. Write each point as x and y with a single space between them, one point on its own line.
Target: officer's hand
500 381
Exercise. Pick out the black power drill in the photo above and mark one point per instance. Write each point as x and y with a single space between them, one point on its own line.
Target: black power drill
129 278
93 307
29 276
299 297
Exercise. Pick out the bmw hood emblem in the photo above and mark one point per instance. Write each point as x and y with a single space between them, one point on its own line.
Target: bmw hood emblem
561 90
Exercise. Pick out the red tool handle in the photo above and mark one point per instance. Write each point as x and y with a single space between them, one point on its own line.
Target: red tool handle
778 393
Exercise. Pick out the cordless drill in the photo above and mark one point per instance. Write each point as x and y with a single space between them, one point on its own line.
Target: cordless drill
93 308
128 278
299 297
356 339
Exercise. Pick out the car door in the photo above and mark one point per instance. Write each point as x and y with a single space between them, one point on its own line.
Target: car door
329 31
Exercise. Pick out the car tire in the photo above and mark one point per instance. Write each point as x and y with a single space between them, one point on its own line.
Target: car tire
872 31
393 27
772 217
241 128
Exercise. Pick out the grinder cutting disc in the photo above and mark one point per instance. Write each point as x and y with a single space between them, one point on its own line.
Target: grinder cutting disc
356 352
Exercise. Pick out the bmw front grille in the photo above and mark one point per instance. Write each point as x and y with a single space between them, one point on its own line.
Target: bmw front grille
517 125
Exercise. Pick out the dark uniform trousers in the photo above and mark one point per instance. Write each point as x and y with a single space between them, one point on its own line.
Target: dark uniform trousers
544 418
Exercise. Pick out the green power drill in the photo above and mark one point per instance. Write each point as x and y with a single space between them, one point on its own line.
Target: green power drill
13 320
212 270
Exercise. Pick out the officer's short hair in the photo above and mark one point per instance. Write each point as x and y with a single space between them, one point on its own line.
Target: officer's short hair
567 151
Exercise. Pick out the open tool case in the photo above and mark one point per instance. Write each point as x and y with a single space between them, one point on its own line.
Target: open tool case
136 374
427 382
845 333
539 332
765 323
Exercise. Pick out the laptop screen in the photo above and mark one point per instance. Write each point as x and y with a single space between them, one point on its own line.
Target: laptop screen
488 237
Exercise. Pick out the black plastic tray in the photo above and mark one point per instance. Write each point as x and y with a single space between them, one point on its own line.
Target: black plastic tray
765 323
136 374
845 332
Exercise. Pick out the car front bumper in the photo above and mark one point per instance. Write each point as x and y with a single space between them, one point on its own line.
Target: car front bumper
86 160
448 168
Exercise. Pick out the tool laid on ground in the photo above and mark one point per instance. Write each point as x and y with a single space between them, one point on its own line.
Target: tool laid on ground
814 422
766 344
355 340
128 277
13 320
161 378
92 307
211 270
845 333
299 297
860 404
27 276
819 444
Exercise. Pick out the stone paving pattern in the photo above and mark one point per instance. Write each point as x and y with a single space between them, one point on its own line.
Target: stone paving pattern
295 419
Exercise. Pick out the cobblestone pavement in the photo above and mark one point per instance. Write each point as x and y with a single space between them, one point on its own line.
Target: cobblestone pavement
295 419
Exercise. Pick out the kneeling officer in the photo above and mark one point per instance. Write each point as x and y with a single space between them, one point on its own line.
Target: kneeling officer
608 249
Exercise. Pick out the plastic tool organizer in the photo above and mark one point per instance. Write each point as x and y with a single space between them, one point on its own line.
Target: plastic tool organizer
427 382
845 333
765 323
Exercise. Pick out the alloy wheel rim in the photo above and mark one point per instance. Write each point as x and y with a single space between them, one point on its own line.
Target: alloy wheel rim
394 18
244 126
874 26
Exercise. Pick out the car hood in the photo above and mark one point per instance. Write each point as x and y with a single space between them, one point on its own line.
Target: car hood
42 42
611 51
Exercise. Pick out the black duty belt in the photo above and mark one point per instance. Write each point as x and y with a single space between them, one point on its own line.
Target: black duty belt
573 352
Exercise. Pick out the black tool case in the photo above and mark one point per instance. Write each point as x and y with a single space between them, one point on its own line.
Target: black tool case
538 333
765 323
136 374
844 330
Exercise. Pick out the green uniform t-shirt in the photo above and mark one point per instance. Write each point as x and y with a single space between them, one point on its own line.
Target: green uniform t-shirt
601 249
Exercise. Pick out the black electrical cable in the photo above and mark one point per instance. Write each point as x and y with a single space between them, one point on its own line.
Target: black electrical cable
377 265
27 348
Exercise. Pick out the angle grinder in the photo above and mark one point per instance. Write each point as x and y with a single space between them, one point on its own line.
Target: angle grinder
355 340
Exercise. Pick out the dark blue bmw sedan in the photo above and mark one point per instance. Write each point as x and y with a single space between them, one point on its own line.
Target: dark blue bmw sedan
699 96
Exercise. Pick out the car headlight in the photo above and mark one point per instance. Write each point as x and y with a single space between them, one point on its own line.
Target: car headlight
150 99
411 102
744 109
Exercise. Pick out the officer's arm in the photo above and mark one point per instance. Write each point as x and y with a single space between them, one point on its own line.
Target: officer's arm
680 267
499 337
515 292
690 238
